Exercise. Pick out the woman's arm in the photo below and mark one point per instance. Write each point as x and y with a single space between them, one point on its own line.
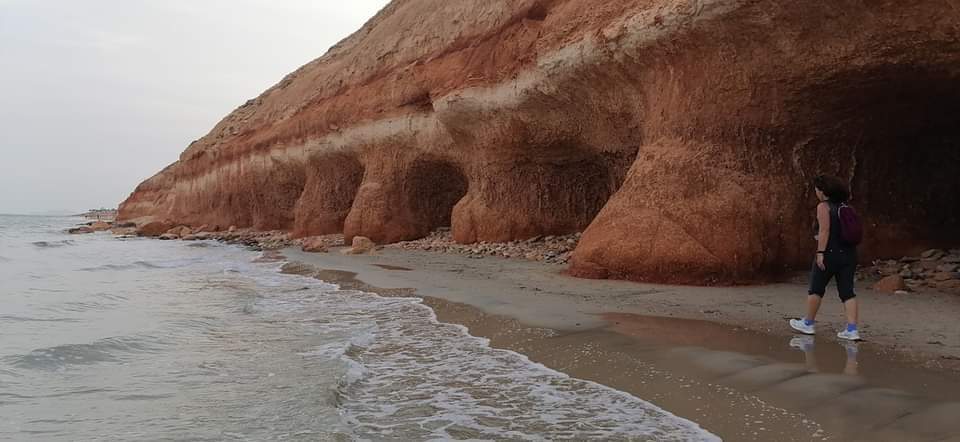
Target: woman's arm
823 236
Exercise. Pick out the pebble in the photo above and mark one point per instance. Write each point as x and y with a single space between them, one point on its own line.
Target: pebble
553 249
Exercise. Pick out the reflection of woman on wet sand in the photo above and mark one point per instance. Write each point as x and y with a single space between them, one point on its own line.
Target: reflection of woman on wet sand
806 345
834 258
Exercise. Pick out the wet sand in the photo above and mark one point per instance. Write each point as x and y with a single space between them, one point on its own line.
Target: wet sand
719 356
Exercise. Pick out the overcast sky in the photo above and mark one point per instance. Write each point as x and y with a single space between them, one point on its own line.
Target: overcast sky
98 95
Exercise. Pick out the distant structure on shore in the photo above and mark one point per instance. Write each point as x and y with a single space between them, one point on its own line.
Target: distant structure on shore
100 214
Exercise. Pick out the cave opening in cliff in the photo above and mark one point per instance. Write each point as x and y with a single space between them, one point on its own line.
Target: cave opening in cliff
332 183
572 191
434 187
895 133
558 189
271 196
578 181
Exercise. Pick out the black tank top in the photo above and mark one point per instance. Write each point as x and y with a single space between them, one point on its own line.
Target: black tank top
835 241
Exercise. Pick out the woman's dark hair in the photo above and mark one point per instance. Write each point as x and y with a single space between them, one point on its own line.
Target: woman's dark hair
834 188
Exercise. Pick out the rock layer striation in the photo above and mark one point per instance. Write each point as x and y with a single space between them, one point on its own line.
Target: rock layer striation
680 136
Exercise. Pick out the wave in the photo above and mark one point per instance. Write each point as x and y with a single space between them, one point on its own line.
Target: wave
14 318
115 267
78 307
141 265
77 392
107 350
54 244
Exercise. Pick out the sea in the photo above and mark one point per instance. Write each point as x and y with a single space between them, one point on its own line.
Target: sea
129 339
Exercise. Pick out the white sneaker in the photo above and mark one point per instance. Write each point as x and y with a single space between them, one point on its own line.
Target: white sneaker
802 327
849 335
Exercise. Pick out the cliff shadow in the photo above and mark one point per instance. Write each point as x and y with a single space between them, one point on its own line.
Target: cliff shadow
894 134
433 187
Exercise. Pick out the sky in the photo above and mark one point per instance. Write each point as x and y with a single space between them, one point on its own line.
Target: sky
98 95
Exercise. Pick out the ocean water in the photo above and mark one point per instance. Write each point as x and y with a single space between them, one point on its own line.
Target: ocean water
105 339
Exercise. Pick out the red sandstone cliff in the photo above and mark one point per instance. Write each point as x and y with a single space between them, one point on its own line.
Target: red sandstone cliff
680 134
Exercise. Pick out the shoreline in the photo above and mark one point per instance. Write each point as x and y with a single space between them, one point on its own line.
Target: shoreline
740 382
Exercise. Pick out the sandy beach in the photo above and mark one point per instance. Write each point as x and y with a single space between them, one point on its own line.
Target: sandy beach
722 357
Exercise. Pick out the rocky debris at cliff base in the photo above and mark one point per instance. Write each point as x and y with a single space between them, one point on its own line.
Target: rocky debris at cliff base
180 231
90 227
124 231
934 269
269 240
320 244
555 249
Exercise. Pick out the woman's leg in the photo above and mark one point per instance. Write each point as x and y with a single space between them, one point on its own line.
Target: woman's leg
818 286
813 306
852 310
845 281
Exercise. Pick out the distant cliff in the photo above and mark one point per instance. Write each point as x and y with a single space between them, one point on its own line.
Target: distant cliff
680 135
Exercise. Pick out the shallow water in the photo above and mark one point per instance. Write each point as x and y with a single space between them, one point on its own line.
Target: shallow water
110 339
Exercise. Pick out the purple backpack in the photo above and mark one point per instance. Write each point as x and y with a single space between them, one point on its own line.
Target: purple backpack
851 230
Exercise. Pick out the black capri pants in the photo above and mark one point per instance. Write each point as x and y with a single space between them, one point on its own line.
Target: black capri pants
841 264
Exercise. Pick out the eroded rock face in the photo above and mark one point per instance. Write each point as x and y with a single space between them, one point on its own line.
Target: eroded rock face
681 135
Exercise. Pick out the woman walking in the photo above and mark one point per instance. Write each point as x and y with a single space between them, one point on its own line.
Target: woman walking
835 258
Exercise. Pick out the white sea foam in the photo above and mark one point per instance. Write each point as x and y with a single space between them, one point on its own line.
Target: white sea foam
409 376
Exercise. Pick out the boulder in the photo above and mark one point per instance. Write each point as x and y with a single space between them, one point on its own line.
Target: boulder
180 231
945 276
932 254
80 230
890 284
948 267
101 226
950 285
168 237
314 244
154 229
361 245
124 231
